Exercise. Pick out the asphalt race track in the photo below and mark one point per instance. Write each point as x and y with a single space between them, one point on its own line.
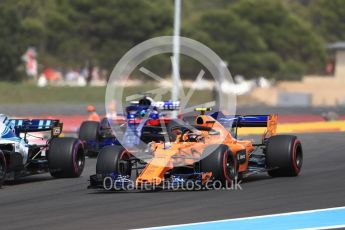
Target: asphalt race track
40 202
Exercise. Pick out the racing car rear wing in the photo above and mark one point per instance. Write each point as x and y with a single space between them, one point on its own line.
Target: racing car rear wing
37 125
240 121
252 120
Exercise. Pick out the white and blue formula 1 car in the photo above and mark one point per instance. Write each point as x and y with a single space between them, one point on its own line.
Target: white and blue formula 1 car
61 156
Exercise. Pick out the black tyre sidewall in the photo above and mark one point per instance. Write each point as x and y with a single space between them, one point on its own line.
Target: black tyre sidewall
89 131
281 154
109 158
63 156
215 162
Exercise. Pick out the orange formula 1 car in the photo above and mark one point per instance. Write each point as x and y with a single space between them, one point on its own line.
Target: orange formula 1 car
199 154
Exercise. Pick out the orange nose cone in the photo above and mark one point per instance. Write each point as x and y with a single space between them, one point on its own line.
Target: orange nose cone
90 108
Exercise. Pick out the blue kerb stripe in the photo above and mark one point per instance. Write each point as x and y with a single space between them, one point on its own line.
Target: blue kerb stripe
298 220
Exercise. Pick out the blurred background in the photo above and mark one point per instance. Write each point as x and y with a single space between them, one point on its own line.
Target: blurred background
286 56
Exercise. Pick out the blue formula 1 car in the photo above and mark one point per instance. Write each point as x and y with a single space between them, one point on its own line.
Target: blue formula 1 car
142 124
21 155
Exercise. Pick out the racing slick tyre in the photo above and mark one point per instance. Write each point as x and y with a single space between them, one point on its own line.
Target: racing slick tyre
66 157
89 131
114 158
284 155
221 163
2 168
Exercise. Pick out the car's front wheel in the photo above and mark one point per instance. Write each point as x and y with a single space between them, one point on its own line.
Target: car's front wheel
219 160
114 159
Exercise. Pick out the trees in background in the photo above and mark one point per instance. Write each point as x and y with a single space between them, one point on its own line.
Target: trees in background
73 33
328 19
276 38
262 38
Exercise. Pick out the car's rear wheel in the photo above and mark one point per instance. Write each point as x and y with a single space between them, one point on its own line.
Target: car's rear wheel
114 159
284 156
66 157
220 161
2 168
90 131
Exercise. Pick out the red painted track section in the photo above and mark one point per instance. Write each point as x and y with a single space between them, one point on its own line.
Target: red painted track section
299 118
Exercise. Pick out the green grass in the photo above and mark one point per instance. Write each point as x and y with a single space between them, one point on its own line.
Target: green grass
28 93
22 93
